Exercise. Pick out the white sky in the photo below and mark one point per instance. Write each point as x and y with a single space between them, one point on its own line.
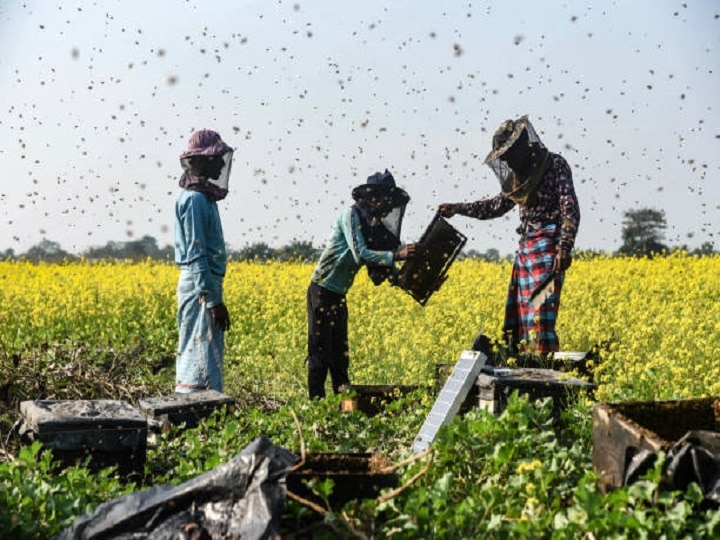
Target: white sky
99 99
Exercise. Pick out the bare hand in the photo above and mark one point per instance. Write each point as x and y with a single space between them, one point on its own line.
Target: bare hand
221 317
562 261
447 210
404 252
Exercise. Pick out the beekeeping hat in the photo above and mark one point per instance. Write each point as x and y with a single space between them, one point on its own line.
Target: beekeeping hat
508 135
207 144
381 187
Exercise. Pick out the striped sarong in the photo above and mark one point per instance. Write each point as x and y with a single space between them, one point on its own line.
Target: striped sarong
201 346
527 329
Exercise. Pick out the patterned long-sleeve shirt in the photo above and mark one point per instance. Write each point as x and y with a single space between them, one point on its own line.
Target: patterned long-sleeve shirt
554 202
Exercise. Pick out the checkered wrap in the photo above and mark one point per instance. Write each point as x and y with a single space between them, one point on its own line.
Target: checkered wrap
533 262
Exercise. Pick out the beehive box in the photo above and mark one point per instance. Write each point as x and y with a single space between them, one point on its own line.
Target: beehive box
496 385
372 399
622 431
187 408
109 432
355 476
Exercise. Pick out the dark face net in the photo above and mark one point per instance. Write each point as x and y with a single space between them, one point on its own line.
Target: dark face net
214 170
525 145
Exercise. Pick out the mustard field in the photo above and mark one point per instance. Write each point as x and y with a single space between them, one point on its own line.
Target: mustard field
659 321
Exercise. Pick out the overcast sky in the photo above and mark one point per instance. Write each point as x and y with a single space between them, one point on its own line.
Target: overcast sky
99 99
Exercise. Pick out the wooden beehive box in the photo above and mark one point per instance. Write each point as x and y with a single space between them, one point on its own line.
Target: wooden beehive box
372 399
623 430
355 476
496 385
187 408
109 432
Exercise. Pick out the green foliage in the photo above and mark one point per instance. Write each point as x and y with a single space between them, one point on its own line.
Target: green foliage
37 500
513 476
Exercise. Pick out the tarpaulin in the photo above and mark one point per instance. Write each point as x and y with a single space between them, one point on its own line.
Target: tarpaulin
243 498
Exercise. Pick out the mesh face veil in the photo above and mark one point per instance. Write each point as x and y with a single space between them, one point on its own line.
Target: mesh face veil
216 174
393 221
509 133
206 164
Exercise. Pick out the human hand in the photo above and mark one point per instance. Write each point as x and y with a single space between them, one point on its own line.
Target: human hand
562 261
220 316
447 210
405 252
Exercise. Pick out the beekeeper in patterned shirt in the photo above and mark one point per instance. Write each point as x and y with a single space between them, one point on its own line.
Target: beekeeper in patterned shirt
540 183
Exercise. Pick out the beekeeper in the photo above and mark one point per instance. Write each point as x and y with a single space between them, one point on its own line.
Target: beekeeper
200 253
366 233
540 183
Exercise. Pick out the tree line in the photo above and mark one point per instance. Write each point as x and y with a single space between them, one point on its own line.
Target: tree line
643 235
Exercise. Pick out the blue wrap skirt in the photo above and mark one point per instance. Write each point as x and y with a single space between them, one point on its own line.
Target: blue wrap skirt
201 345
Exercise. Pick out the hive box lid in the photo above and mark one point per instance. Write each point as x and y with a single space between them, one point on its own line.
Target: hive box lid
52 416
193 401
529 377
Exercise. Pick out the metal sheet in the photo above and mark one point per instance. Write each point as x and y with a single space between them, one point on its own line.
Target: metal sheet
451 397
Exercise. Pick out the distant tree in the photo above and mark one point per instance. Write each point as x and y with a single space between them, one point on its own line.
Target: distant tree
259 251
137 250
297 251
7 254
145 247
492 255
643 232
47 250
469 254
166 253
707 248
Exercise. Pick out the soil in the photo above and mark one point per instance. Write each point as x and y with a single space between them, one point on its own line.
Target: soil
344 464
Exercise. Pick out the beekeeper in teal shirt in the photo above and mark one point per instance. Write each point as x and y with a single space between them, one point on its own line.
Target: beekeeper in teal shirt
362 235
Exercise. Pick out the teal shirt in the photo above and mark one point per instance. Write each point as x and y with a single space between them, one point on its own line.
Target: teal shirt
199 244
344 254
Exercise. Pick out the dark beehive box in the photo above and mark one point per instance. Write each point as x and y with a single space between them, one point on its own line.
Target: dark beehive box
355 476
496 385
622 431
372 399
109 432
187 408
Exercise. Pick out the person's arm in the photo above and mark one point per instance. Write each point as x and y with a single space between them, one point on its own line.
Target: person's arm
569 207
194 215
483 209
569 215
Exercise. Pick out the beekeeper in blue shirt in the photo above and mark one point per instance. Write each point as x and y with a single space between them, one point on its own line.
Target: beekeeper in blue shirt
200 254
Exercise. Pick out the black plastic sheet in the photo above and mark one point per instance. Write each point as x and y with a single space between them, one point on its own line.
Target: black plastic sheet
243 498
696 458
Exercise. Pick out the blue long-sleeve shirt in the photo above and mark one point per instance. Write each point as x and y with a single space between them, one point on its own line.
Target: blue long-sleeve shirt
344 254
199 244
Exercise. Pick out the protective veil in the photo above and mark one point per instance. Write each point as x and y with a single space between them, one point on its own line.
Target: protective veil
381 230
206 165
518 187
